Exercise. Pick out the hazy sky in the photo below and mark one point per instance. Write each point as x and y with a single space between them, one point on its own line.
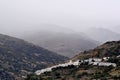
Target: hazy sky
19 15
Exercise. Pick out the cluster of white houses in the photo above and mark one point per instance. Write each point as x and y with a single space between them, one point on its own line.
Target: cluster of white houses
76 63
99 62
92 61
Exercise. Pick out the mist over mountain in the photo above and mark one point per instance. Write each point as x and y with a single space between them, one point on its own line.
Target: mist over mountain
61 40
46 31
115 29
102 34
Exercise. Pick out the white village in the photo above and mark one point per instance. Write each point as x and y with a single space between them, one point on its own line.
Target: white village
90 61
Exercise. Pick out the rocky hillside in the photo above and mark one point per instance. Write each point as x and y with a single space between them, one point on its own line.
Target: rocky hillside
101 63
18 58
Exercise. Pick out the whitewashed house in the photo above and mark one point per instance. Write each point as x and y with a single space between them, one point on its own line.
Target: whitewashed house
106 58
118 56
107 64
38 72
93 60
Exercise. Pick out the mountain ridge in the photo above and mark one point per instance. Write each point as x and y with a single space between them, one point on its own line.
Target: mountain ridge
61 40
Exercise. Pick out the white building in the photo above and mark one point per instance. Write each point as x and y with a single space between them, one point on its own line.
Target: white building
118 56
38 72
107 64
106 58
93 60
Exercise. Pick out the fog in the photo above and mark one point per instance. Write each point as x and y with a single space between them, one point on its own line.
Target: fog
18 17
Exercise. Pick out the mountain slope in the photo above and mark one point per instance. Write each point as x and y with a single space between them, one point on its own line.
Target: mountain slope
61 40
86 68
102 35
18 57
108 49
